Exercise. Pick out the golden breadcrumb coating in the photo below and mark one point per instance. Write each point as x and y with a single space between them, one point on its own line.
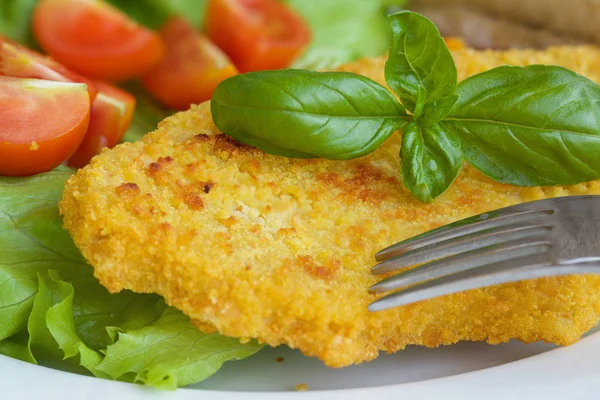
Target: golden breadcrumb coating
258 246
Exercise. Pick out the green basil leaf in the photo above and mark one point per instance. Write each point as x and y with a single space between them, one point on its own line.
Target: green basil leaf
531 126
297 113
431 159
420 68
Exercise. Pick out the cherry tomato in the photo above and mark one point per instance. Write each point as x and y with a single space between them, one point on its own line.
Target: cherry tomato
20 62
191 68
95 39
43 123
256 34
110 118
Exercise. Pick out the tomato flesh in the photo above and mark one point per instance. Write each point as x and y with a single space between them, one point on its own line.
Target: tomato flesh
20 62
191 69
43 123
257 34
110 118
95 39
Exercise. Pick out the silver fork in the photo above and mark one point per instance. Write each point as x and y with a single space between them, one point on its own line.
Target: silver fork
552 237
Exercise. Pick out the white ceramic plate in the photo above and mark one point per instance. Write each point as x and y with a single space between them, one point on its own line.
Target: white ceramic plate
464 371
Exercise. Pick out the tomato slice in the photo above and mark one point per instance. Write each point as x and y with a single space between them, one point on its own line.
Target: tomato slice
257 34
43 123
191 68
20 62
95 39
110 118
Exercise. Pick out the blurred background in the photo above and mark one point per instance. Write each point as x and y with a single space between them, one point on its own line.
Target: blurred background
501 24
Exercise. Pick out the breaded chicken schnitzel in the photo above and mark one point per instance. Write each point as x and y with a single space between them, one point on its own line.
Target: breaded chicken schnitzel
278 249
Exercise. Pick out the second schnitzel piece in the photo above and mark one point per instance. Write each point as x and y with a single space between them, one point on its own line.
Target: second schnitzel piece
278 249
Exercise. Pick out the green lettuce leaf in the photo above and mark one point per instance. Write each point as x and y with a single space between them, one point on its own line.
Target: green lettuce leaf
171 352
31 240
17 347
148 113
54 312
154 13
15 20
344 30
52 334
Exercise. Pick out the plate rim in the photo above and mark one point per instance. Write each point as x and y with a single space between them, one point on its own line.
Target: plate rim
565 371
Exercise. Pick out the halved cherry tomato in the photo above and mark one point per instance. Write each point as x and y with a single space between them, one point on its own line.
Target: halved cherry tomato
256 34
20 62
191 68
95 39
110 118
43 123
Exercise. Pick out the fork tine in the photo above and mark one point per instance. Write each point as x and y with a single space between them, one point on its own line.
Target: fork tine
461 244
517 269
458 263
492 219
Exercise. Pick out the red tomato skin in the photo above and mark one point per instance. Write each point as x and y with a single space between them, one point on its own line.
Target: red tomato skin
257 34
30 141
191 69
110 117
95 39
20 62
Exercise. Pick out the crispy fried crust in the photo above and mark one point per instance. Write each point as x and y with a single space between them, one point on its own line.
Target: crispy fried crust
257 246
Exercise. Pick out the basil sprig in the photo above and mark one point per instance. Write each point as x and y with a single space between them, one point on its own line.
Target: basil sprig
527 126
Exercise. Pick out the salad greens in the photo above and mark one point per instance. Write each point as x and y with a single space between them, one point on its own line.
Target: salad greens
154 13
52 307
527 126
148 113
344 30
180 355
15 20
